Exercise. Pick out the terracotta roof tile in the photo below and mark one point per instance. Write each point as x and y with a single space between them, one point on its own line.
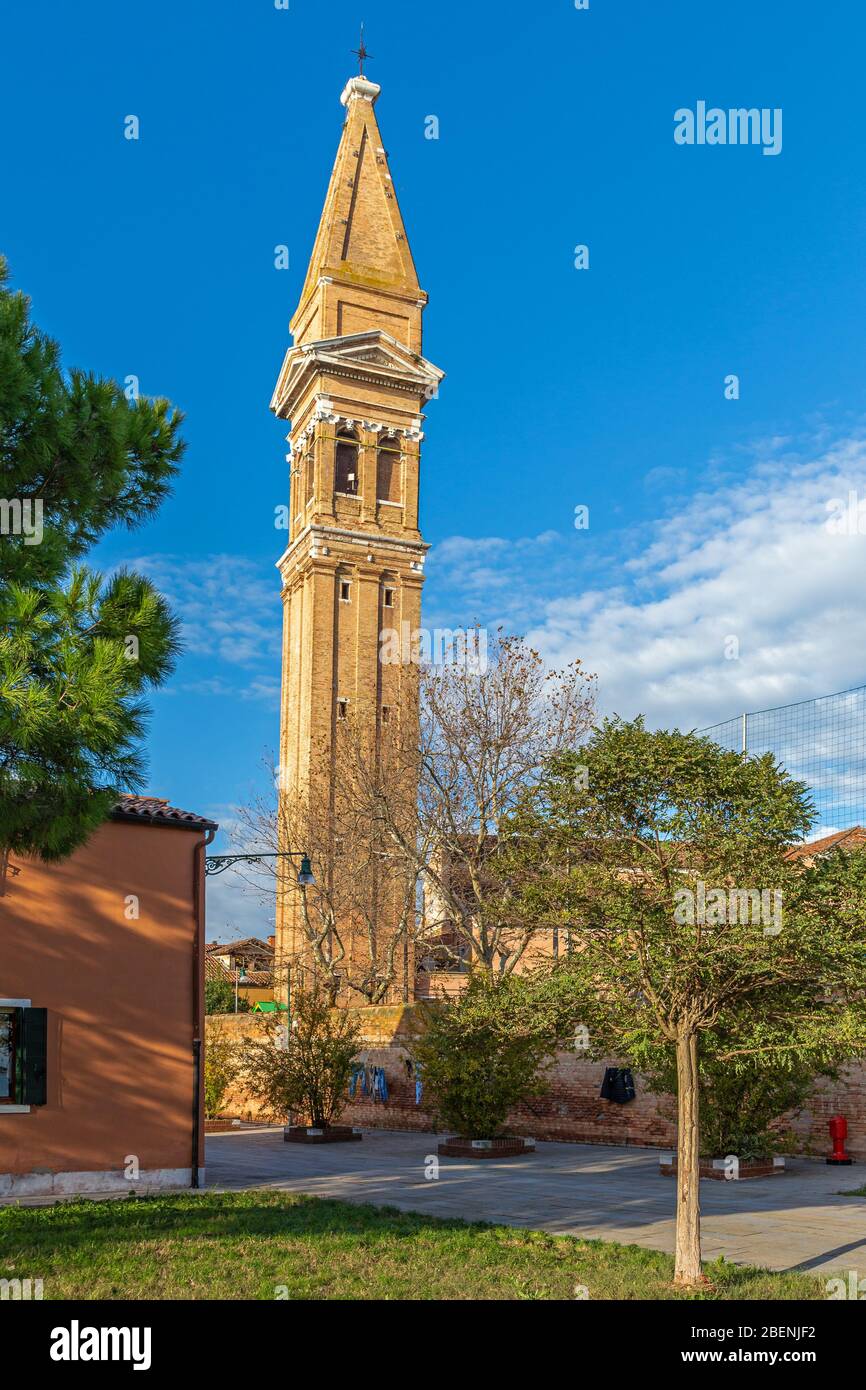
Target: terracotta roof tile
250 945
155 810
215 970
840 839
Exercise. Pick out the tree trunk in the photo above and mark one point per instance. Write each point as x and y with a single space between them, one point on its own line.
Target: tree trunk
688 1234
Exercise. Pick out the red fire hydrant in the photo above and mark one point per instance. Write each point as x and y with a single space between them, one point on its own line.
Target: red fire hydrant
839 1133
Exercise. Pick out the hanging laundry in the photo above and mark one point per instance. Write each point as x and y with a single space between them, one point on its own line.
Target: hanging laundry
380 1084
618 1085
419 1084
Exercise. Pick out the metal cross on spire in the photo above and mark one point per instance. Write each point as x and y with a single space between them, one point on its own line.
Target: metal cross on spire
361 52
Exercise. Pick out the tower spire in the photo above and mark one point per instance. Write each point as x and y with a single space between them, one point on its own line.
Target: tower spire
361 273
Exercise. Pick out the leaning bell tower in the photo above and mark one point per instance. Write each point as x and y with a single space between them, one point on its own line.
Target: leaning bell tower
353 387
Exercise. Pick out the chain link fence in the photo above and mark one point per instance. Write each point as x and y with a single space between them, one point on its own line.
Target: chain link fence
821 742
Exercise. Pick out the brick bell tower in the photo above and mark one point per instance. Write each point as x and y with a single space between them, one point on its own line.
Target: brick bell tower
353 387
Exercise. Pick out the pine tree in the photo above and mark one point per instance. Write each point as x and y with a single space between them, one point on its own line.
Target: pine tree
77 650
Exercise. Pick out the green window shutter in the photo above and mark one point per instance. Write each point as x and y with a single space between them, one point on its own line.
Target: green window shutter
34 1056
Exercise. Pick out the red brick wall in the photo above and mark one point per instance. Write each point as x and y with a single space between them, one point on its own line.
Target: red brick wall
571 1110
847 1097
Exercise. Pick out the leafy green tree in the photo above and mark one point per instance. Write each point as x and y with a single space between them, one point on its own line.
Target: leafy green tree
77 651
484 1051
308 1071
654 850
219 998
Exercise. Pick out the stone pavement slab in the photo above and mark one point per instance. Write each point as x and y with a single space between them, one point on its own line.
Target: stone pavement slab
798 1221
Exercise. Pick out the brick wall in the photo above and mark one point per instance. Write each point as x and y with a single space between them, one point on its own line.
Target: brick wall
234 1027
572 1110
847 1097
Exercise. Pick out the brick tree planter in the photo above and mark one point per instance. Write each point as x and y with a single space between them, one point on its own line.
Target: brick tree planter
718 1168
331 1134
510 1147
217 1126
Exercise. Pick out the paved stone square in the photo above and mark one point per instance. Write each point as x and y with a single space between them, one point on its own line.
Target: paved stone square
797 1221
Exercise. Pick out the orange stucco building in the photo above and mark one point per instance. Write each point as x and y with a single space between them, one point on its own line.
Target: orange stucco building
101 1009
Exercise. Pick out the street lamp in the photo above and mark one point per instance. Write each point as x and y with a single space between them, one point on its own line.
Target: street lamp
218 863
306 878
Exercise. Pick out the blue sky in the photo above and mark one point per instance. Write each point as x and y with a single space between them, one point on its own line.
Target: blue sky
602 387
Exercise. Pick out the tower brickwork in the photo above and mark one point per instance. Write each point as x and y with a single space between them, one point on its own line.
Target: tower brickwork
353 387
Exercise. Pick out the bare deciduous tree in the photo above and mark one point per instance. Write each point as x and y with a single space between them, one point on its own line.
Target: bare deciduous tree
484 735
356 923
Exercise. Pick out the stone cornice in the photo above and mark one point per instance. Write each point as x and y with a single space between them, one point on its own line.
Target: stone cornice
323 410
317 536
359 89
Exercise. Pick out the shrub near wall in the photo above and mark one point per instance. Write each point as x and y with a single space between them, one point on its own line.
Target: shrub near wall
233 1028
483 1053
302 1075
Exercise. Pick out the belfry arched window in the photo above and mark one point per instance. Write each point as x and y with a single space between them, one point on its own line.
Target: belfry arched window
388 468
346 462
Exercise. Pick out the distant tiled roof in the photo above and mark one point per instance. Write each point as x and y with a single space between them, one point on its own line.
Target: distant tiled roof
841 839
262 979
155 810
215 970
250 946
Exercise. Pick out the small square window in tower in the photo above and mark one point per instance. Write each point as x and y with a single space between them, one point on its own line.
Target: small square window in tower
388 599
386 714
346 463
345 591
342 709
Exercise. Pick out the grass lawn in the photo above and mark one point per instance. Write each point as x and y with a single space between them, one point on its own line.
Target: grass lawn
244 1245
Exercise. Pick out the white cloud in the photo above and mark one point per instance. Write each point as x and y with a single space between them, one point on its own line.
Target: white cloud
229 605
264 688
751 559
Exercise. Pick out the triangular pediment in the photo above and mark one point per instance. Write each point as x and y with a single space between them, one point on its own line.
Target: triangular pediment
375 347
372 354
